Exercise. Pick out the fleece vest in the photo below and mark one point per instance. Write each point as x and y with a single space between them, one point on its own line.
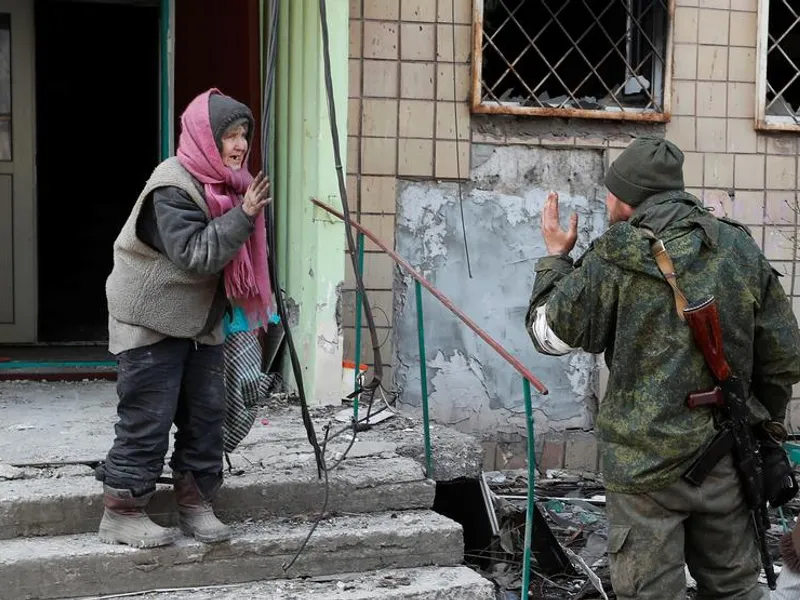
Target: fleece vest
145 287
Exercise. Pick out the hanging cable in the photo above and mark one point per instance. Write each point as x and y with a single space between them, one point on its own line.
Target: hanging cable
351 244
269 83
458 142
271 62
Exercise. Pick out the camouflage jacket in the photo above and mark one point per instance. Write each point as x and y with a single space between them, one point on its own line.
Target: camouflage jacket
615 300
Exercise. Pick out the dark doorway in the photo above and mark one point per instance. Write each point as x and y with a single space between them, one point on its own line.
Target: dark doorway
203 60
97 90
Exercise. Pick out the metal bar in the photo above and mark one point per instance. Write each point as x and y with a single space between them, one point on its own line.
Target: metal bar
511 68
762 50
629 114
536 37
359 300
165 108
586 59
541 55
521 369
477 55
620 54
578 41
639 27
526 560
423 380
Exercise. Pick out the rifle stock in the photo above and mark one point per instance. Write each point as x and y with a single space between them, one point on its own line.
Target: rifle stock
703 319
733 417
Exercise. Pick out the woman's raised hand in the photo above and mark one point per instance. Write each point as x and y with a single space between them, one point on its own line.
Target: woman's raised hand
257 196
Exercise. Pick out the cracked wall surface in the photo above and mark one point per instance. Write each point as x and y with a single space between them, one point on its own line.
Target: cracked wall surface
470 386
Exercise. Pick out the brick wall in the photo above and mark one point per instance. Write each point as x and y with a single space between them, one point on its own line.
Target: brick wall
402 116
407 92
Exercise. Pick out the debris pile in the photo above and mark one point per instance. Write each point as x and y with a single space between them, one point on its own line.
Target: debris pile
570 536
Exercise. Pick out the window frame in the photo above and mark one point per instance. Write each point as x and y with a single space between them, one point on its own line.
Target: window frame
479 106
765 122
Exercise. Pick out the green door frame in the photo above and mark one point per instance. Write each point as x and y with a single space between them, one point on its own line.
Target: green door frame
166 67
310 244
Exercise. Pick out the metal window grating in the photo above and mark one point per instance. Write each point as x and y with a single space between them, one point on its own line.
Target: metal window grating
781 85
606 59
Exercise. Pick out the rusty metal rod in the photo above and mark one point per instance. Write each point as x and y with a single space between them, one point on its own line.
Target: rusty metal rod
441 298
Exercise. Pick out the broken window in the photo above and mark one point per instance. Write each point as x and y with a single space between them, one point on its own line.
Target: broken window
606 59
779 50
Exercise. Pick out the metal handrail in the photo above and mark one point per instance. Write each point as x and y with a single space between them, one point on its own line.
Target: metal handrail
527 377
514 362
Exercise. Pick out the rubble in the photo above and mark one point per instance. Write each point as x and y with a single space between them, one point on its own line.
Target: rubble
573 509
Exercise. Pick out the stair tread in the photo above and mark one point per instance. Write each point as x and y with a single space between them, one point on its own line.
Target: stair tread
362 471
73 503
81 565
436 583
279 534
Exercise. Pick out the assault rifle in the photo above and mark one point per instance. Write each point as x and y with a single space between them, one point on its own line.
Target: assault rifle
732 416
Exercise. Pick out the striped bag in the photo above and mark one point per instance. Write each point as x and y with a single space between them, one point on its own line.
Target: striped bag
246 387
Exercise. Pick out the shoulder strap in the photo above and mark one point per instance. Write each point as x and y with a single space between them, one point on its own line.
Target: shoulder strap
664 262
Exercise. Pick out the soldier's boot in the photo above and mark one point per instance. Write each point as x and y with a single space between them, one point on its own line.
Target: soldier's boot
126 522
196 514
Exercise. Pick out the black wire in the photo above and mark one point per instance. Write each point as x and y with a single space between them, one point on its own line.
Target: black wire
337 153
455 131
319 453
270 224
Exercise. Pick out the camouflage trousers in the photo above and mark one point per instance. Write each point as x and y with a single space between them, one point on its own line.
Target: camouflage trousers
652 536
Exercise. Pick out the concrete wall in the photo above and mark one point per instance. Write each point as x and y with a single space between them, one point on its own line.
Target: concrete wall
470 386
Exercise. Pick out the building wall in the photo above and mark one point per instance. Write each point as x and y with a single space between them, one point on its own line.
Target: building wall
402 147
402 126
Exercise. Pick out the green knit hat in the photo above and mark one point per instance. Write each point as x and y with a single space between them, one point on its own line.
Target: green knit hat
648 166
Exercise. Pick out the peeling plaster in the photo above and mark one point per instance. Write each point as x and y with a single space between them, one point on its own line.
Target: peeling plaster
292 312
470 386
330 343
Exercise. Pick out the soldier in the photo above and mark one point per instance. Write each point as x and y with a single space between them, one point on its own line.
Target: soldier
615 300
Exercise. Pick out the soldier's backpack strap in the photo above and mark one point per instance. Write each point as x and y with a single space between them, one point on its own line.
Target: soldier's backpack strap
664 262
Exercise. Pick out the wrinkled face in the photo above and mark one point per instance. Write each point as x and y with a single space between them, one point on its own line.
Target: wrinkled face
617 209
234 147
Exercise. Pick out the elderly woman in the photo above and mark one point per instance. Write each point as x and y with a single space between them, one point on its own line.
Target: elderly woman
194 239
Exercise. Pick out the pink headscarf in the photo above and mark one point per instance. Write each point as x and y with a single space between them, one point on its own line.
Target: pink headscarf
247 282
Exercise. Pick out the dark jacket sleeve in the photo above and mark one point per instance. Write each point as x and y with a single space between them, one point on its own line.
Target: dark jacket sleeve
190 240
776 352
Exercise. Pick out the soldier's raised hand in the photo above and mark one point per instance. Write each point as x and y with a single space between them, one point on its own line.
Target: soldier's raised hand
557 240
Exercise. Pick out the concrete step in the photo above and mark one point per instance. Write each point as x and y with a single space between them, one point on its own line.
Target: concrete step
426 583
71 502
81 565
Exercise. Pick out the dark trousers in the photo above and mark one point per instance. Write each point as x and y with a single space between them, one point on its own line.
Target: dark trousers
172 381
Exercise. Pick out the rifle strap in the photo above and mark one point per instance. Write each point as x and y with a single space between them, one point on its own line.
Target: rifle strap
664 262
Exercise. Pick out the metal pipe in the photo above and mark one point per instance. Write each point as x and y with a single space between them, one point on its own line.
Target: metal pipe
359 300
526 557
423 379
165 108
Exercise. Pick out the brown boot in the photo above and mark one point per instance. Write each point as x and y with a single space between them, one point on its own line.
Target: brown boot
126 522
197 517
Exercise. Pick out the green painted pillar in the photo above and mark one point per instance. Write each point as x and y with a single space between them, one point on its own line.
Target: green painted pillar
311 244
